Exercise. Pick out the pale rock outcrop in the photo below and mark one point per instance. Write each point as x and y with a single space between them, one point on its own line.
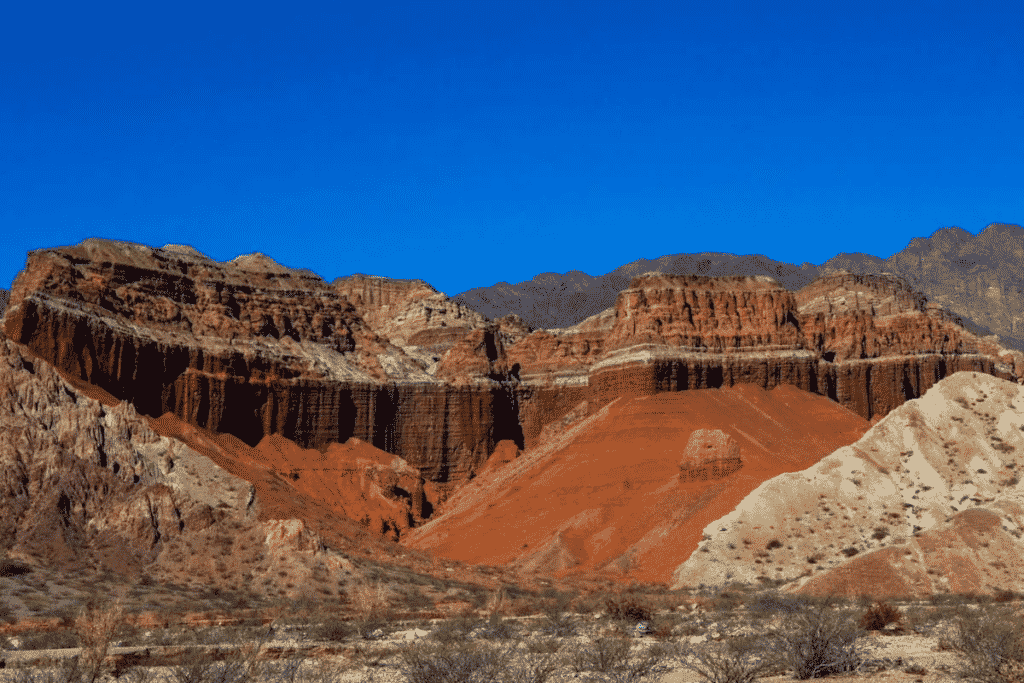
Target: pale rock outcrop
85 486
927 501
709 454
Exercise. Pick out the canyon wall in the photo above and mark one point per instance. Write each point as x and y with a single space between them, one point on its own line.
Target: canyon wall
252 348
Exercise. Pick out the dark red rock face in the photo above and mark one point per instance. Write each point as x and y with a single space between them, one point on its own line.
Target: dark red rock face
252 348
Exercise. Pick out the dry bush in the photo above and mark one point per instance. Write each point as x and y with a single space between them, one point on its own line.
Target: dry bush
211 666
95 626
628 607
9 567
773 603
496 628
612 658
733 661
531 669
463 663
602 655
543 646
880 615
991 644
821 642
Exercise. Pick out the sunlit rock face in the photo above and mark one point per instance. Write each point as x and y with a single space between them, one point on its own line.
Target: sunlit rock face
929 500
251 348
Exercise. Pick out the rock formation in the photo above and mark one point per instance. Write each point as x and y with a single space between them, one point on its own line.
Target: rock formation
602 493
252 349
709 454
84 486
979 277
929 500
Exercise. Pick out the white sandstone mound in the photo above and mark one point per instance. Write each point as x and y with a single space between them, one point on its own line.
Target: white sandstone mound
907 482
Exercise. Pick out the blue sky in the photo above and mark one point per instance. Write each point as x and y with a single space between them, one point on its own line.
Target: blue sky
468 143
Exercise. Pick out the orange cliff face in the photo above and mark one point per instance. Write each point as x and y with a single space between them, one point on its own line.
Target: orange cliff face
606 495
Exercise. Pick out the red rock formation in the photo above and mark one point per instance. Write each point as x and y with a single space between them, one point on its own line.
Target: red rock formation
251 348
86 486
601 493
248 352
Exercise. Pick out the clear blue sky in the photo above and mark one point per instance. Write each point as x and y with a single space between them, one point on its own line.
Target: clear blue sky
467 143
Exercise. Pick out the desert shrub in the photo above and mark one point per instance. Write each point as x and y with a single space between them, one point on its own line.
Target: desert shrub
536 669
850 552
9 567
663 625
770 604
67 671
543 646
556 620
603 655
49 640
454 630
496 628
628 607
820 642
879 533
992 646
334 630
773 544
1003 595
415 600
734 661
464 663
880 615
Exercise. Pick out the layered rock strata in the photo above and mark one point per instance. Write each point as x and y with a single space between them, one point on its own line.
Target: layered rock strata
252 348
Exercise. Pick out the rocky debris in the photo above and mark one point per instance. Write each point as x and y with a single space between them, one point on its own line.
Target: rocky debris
4 297
709 454
928 500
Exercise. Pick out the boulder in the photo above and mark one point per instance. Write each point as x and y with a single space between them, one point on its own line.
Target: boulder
709 454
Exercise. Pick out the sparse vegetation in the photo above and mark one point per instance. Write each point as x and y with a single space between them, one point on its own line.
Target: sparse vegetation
737 660
879 616
821 642
991 645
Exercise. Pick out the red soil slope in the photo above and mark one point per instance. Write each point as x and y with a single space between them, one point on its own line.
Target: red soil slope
604 498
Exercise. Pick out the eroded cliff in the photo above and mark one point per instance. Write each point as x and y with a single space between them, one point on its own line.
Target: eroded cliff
252 348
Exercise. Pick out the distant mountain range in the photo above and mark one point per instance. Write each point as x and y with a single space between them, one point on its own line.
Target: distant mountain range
978 277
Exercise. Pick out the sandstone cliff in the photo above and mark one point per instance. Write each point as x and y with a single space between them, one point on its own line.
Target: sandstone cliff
252 349
979 277
927 501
